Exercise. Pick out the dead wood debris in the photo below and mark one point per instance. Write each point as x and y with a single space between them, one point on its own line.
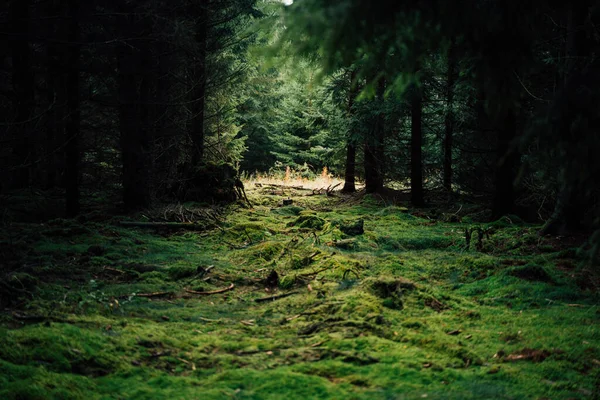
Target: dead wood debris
230 287
156 294
273 298
190 226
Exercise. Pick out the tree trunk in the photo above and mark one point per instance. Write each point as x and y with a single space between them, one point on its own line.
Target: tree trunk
72 153
374 146
568 209
198 74
23 85
54 131
349 177
506 169
416 144
449 122
135 141
380 135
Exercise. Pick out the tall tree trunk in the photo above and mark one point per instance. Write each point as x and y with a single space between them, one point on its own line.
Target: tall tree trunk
568 209
373 157
53 85
350 175
449 122
72 152
380 135
416 148
23 85
135 141
161 112
199 80
506 168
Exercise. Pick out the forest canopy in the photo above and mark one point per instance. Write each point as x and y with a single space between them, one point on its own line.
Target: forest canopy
161 101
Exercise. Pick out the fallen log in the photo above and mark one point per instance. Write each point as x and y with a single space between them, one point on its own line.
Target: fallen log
346 244
285 186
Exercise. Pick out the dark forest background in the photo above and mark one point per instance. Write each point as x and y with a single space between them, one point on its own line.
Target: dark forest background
131 103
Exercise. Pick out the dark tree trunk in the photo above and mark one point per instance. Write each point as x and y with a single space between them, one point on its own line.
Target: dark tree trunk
506 168
568 209
416 148
165 155
380 136
373 157
198 99
349 177
72 153
23 85
135 141
53 121
370 167
449 122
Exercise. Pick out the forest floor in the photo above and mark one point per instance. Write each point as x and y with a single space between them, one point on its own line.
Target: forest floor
93 309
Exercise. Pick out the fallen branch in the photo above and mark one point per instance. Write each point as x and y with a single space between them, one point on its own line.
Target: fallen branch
272 298
330 189
211 292
285 186
346 244
118 271
156 294
164 225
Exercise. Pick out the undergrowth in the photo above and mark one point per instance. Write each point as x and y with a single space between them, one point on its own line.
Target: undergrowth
367 301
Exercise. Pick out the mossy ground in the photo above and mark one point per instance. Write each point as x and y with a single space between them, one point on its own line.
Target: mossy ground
406 312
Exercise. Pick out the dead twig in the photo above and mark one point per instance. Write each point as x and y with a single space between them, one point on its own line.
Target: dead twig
118 271
272 298
330 189
230 287
156 294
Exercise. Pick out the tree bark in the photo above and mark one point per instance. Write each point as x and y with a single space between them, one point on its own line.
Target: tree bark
23 85
449 121
135 140
569 206
416 148
72 129
373 157
53 127
506 168
350 175
199 80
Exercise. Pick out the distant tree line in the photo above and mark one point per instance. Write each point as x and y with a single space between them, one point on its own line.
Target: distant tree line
498 98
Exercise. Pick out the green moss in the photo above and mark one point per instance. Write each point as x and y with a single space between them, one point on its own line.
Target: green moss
288 210
287 282
309 221
267 250
408 312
